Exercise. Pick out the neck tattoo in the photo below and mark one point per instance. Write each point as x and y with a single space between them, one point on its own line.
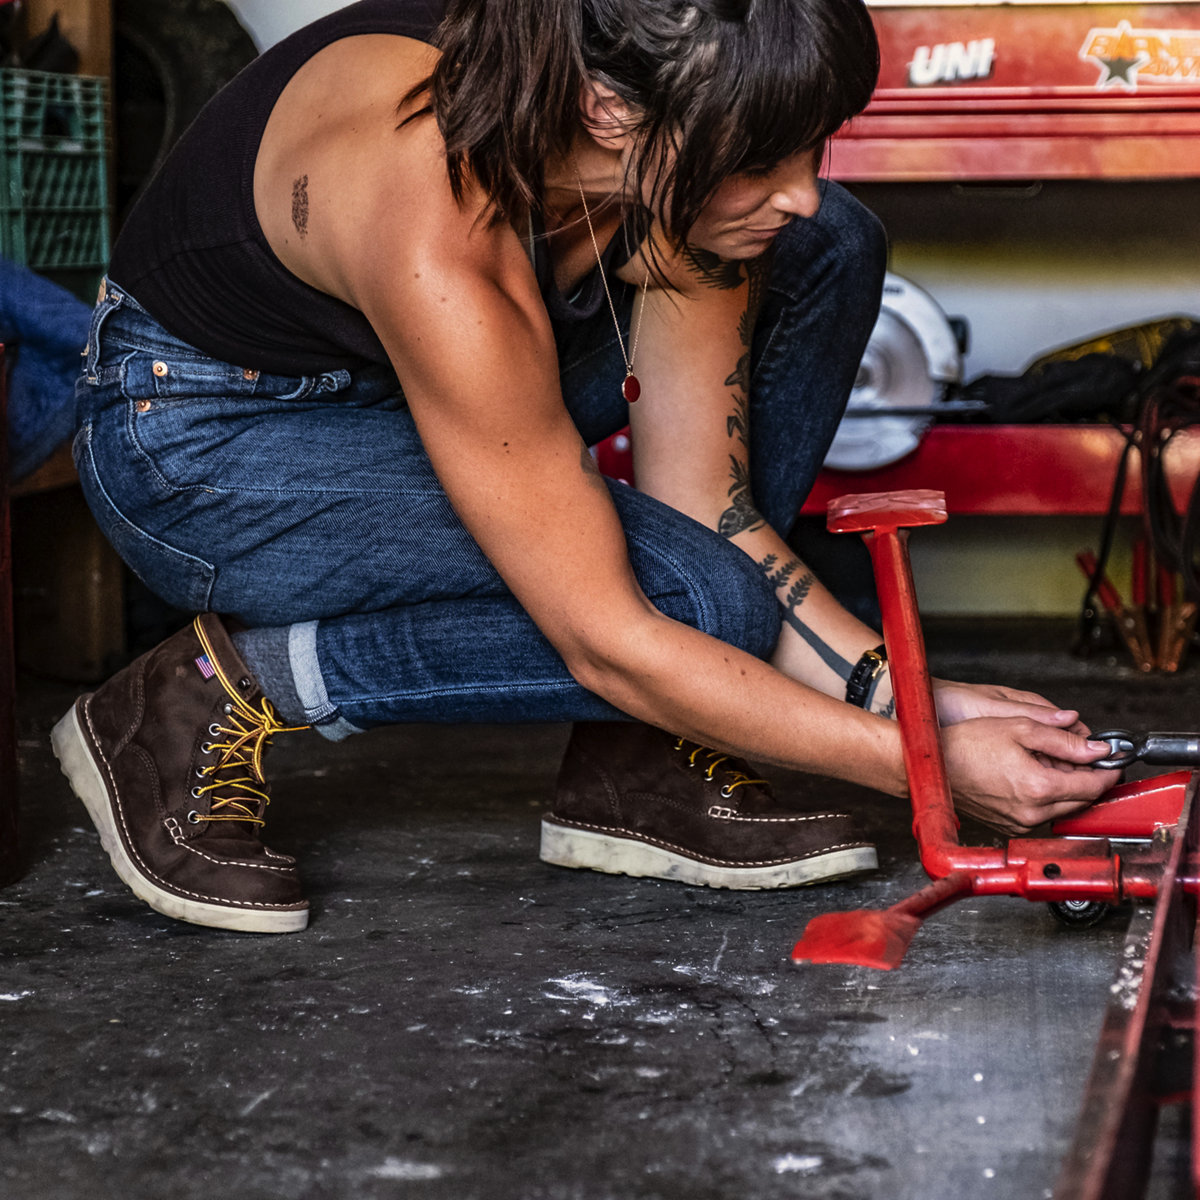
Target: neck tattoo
631 389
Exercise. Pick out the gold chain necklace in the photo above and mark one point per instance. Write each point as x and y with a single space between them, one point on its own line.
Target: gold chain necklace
631 389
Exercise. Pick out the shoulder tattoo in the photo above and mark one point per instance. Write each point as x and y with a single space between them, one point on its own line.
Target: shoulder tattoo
300 206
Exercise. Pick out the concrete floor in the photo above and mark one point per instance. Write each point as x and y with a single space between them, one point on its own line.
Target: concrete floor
462 1021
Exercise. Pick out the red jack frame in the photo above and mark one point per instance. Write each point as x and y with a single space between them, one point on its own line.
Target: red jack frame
1080 863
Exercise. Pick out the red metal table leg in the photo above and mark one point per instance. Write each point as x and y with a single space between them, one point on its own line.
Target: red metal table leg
8 732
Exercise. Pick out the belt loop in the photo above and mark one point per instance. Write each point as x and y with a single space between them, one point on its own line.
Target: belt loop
108 300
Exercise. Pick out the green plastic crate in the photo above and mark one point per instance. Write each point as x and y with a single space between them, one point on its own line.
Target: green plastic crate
54 210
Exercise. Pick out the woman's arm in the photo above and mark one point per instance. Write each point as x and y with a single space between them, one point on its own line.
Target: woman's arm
456 305
692 451
691 446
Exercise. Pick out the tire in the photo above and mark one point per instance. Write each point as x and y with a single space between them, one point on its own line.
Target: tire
169 58
1080 914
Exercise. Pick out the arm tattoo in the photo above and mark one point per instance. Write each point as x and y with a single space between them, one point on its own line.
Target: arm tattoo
737 424
300 206
740 378
758 272
800 590
826 653
796 596
778 578
741 515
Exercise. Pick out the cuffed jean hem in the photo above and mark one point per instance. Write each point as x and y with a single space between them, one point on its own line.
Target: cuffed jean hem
320 712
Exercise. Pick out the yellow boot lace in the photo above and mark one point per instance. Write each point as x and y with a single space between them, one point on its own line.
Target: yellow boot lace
246 732
714 758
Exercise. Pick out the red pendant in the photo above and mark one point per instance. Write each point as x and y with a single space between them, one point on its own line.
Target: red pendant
631 389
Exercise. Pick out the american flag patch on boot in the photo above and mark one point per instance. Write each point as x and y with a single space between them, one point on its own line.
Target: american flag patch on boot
204 666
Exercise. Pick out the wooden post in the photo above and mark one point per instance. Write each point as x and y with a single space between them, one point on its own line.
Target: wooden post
86 24
8 680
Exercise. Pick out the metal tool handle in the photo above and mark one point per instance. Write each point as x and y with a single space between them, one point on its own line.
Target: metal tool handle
1179 749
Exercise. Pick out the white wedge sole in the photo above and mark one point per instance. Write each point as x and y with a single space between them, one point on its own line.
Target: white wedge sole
78 765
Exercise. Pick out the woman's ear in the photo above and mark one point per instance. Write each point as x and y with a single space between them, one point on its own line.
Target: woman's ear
605 116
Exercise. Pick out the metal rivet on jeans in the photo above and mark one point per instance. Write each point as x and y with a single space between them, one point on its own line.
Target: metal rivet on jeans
161 369
249 375
143 406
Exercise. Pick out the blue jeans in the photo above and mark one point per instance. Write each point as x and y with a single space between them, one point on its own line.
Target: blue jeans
310 502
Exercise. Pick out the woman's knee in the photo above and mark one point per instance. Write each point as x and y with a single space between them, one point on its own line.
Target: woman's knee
854 229
738 605
696 576
844 246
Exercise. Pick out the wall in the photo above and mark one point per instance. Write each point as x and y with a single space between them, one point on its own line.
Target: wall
87 25
269 20
1031 269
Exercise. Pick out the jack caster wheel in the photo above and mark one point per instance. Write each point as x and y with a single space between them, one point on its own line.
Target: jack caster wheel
1079 914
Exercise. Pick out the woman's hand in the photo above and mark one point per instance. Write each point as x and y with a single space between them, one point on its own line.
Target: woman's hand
965 701
1017 772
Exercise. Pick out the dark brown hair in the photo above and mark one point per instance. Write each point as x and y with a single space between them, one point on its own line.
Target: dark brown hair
716 86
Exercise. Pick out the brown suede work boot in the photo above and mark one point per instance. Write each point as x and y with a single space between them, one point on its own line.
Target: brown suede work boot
632 800
167 757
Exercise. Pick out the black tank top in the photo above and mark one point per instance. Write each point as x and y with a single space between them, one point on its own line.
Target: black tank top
193 253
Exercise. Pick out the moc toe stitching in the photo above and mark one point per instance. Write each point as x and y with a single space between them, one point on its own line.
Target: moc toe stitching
233 862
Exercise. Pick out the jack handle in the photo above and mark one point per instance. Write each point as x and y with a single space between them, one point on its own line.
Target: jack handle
1178 749
883 519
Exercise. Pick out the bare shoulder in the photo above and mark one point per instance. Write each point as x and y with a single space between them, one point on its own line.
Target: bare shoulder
344 187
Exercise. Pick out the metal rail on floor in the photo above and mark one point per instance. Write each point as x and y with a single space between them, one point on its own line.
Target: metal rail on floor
1139 1046
1112 1149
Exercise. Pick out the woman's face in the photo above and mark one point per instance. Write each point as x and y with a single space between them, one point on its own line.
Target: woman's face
747 212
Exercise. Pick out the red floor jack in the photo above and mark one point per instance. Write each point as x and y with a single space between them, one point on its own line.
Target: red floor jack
1140 841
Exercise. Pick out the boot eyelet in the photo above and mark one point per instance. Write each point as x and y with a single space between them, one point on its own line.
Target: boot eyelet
201 772
193 817
207 748
726 792
214 730
197 794
227 709
244 682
